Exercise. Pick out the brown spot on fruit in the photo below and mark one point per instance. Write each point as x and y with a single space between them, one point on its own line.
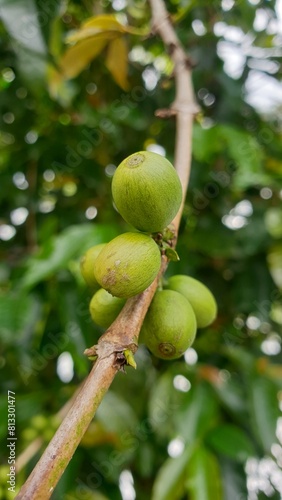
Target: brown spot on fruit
170 325
128 264
147 191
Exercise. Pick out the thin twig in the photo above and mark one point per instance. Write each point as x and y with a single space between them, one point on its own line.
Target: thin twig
123 333
28 453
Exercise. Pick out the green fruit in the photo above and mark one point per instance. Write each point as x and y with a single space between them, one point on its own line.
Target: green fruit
199 296
87 265
170 325
39 422
47 434
29 434
147 191
128 264
104 308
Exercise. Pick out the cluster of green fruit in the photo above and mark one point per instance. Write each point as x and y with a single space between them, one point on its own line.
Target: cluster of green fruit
147 193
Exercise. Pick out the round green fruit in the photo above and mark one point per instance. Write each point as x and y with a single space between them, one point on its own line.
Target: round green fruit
147 191
199 296
104 308
128 264
39 422
170 325
29 434
87 265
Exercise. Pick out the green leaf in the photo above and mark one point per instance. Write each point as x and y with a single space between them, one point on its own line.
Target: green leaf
273 221
200 413
263 400
72 312
206 142
247 154
215 243
249 297
172 254
56 254
231 392
19 313
55 38
164 403
231 441
274 259
234 481
170 480
243 148
204 480
170 409
117 416
22 21
117 62
30 404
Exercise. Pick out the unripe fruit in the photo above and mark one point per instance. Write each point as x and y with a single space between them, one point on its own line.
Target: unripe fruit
104 308
39 422
87 265
170 325
147 191
199 296
128 264
29 434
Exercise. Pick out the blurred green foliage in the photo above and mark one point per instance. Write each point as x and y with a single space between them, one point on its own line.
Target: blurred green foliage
206 427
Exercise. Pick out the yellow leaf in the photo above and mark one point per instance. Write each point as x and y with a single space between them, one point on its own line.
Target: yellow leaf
107 22
96 25
117 62
76 58
101 24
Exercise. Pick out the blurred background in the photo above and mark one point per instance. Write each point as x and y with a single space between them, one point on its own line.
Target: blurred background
74 103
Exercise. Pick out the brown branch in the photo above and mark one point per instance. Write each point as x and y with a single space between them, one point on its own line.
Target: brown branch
123 333
36 445
184 106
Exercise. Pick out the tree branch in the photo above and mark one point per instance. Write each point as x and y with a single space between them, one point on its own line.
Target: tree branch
123 333
35 446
